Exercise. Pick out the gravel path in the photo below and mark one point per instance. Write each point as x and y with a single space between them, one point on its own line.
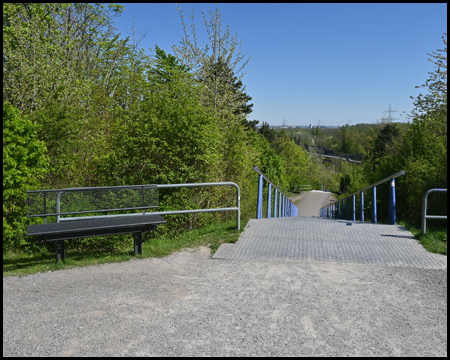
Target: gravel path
188 304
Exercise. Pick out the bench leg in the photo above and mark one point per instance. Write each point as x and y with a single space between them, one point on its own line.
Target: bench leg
137 243
60 250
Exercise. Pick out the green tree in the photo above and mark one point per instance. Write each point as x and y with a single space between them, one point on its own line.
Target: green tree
24 164
436 85
385 144
267 132
298 166
216 63
49 51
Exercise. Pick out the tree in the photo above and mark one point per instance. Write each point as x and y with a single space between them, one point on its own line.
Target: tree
267 132
229 95
51 51
216 62
166 66
25 162
436 99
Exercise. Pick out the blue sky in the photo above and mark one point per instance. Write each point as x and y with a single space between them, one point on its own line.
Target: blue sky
332 64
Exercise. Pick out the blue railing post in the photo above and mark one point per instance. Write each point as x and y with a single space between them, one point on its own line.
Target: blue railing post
280 214
374 205
362 205
354 208
343 213
275 203
260 198
392 211
285 206
347 210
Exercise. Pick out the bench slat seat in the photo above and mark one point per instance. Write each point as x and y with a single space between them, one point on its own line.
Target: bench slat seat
95 227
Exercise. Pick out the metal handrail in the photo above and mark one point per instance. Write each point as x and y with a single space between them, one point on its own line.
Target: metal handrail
396 175
286 207
174 212
392 210
424 210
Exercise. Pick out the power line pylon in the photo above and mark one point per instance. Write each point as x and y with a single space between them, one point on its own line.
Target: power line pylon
389 119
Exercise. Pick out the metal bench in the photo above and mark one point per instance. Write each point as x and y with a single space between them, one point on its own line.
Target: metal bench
93 200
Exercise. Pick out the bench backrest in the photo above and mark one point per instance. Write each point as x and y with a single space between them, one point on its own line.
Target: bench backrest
91 200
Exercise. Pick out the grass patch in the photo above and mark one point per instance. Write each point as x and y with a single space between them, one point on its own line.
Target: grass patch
434 240
212 235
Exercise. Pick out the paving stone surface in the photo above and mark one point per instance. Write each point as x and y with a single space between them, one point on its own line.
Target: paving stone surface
325 240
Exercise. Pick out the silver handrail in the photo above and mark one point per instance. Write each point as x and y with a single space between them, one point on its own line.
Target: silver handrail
424 210
236 208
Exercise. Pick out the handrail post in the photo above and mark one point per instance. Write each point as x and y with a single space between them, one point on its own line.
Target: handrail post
275 203
362 205
392 211
374 205
260 198
347 210
269 201
354 208
280 214
424 210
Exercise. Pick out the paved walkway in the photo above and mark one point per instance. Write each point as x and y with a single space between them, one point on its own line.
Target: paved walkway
324 240
311 202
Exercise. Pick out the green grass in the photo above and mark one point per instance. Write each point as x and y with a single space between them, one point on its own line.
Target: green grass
212 235
434 240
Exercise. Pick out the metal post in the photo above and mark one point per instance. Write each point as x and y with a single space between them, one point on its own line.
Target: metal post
374 205
347 210
392 212
260 198
424 210
60 250
238 205
58 205
362 205
269 201
45 207
275 203
354 208
279 207
137 243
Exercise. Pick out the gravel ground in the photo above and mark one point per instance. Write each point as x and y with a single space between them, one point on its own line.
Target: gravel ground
188 304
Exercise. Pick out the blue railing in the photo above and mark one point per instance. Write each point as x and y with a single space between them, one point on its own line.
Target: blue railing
285 207
340 208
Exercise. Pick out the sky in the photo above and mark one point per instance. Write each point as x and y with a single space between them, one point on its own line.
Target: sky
319 64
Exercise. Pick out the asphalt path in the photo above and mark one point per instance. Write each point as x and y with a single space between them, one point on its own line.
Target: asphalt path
309 203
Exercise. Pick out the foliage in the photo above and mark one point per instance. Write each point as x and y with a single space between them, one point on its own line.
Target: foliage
436 85
24 163
424 158
298 166
51 50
